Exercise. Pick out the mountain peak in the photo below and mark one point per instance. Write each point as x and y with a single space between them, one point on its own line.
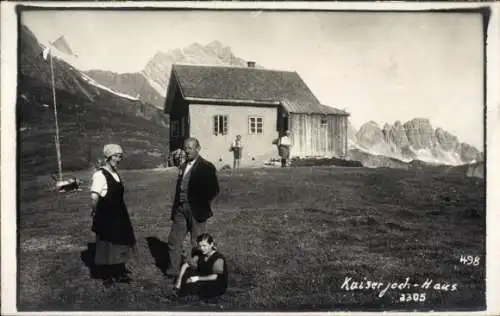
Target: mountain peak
157 70
219 49
158 54
370 134
215 44
372 123
419 121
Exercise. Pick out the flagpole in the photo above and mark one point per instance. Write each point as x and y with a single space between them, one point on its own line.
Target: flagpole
58 146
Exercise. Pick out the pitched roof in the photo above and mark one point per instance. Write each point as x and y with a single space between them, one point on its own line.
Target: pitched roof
335 111
248 85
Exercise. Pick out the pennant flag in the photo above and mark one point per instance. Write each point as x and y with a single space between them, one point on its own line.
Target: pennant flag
62 45
46 52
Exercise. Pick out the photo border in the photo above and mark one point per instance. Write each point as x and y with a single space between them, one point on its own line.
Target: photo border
490 100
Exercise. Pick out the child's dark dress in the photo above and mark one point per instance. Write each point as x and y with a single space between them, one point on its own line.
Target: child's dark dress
205 289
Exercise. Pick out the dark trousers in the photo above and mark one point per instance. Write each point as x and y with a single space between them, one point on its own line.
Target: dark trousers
283 162
284 152
189 288
183 222
106 271
236 163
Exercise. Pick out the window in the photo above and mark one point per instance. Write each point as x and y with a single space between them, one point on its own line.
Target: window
220 125
255 125
324 121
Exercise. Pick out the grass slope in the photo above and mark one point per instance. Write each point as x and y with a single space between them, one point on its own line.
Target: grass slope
129 83
88 118
84 127
291 236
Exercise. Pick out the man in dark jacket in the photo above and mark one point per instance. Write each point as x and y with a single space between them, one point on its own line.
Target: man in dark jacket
197 186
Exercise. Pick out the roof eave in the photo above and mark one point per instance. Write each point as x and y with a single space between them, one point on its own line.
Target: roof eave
231 101
319 113
171 81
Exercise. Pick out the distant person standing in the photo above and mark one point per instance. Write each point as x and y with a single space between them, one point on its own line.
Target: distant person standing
197 185
115 237
284 146
237 148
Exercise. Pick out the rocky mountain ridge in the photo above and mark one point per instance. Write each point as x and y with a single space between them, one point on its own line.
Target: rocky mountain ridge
150 84
412 140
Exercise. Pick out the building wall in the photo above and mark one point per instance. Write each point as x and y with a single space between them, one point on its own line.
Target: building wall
257 148
312 138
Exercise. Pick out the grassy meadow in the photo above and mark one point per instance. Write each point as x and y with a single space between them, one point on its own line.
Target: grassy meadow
291 237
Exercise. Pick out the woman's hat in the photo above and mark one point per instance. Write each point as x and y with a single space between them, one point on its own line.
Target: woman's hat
112 149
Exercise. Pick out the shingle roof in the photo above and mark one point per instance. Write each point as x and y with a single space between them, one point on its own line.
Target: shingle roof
332 110
253 85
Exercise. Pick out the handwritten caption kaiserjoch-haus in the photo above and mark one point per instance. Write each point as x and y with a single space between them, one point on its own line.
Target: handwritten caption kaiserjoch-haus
383 287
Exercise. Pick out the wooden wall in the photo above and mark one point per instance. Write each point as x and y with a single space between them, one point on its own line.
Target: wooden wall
179 120
318 135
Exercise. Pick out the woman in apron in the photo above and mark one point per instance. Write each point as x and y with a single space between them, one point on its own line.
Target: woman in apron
115 239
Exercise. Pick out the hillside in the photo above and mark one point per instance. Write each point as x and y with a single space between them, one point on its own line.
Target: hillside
134 84
89 116
376 161
290 236
471 170
370 160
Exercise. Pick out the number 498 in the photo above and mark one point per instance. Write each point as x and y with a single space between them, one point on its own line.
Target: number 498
412 297
470 260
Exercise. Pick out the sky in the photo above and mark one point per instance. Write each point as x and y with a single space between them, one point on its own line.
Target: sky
382 67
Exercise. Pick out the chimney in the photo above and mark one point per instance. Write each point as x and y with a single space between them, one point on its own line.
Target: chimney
251 64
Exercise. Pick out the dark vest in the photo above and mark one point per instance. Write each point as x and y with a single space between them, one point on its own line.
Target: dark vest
111 220
202 186
185 183
218 286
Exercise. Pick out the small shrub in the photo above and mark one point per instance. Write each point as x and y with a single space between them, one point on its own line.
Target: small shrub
307 162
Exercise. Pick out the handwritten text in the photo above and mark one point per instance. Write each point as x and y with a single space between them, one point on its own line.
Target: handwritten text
381 287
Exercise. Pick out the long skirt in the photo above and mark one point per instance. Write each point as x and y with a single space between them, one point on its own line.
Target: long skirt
107 253
284 151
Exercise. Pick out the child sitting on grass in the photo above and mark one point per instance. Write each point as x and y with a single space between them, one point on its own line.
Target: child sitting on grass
206 274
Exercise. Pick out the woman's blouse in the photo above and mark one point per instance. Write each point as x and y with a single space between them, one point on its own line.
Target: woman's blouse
99 183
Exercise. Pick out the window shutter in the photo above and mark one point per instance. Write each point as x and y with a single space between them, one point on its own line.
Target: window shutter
216 124
224 130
